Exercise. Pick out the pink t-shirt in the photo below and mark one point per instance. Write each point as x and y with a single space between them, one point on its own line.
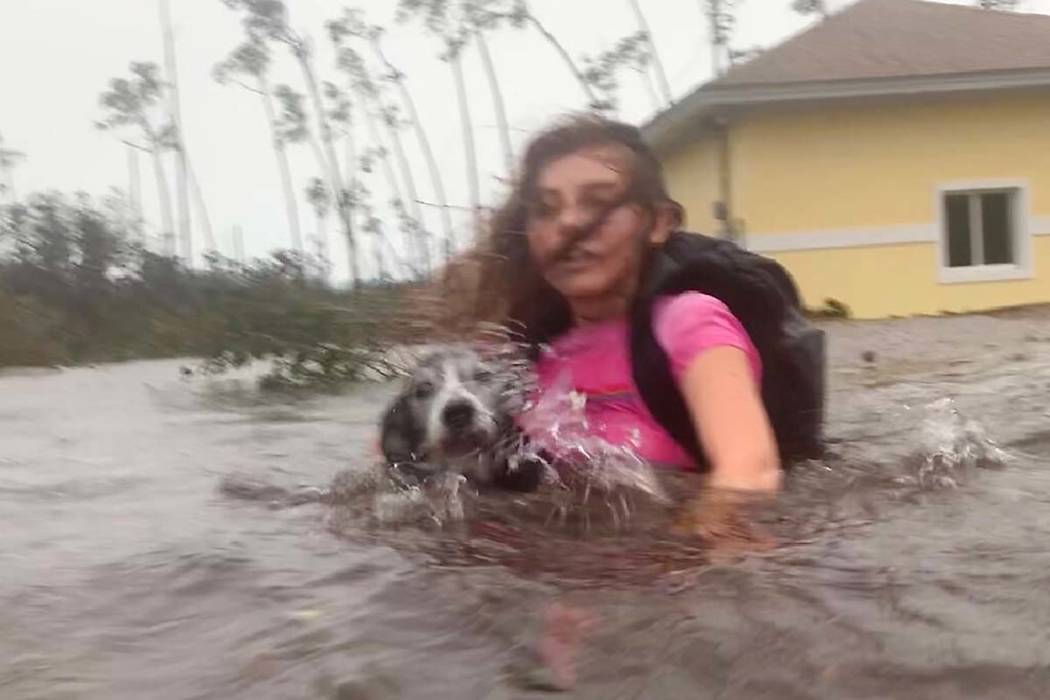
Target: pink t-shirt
595 362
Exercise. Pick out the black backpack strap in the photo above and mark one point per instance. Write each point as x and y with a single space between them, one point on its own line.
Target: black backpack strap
651 369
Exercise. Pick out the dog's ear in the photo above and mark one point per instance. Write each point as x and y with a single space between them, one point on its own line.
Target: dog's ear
401 436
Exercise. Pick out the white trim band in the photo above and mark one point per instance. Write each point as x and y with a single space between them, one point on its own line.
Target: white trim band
860 237
829 239
1039 226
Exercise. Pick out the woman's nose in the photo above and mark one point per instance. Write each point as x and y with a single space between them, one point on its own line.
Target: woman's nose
574 220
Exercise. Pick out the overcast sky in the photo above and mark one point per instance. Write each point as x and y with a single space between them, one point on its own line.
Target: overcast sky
56 56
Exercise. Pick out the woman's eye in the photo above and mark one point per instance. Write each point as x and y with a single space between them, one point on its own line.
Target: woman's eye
541 210
598 207
423 390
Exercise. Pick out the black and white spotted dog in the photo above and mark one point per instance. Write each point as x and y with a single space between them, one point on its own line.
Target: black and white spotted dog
455 413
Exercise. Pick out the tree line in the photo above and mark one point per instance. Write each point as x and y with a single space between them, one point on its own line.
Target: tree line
77 286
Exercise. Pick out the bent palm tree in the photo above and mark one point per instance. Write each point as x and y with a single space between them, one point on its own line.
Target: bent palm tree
252 60
129 103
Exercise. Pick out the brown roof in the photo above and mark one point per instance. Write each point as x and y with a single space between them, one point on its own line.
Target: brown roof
897 38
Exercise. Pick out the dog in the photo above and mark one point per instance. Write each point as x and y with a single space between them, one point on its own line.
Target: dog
455 413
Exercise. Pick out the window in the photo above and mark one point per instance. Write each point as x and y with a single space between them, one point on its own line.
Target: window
983 234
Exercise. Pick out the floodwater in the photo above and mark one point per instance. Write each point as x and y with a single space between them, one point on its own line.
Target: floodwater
913 562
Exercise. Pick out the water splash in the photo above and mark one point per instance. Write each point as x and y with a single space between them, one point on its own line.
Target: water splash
561 436
378 494
951 444
585 466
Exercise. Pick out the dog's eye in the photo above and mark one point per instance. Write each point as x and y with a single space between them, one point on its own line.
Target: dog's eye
483 375
423 390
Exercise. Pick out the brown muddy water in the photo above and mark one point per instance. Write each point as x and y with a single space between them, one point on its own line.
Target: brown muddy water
912 563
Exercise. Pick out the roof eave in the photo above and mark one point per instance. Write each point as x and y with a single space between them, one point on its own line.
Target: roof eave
709 99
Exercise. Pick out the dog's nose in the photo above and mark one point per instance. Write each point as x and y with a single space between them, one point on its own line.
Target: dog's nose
458 415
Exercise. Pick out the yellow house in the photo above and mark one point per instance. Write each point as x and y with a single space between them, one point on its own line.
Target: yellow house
894 157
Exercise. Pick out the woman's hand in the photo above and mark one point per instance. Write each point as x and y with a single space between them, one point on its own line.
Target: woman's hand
724 519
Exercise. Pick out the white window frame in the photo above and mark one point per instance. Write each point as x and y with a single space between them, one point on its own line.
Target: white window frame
1020 220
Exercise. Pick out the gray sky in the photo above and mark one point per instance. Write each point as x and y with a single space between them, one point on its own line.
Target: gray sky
56 56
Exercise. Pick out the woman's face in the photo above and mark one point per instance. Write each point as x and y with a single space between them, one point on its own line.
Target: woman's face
587 241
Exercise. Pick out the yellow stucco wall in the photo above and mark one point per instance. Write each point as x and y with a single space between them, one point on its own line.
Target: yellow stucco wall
901 280
832 169
692 176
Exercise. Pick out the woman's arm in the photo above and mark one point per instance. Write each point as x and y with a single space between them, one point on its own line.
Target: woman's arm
724 399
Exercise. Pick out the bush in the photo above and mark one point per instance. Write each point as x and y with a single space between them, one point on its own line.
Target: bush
832 308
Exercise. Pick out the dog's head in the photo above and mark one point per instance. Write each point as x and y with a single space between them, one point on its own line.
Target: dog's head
454 404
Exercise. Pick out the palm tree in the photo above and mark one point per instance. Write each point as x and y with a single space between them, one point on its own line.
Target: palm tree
268 20
8 160
454 56
452 29
178 142
811 7
413 225
521 14
489 14
292 123
135 193
351 25
498 105
407 207
479 17
601 72
129 104
318 197
658 65
252 60
720 19
202 207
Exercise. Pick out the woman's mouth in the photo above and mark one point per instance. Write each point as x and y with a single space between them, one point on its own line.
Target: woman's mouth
577 257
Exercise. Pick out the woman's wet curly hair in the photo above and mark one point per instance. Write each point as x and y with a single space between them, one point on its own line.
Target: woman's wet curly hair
497 282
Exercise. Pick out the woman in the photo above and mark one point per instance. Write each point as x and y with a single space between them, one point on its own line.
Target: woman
566 258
